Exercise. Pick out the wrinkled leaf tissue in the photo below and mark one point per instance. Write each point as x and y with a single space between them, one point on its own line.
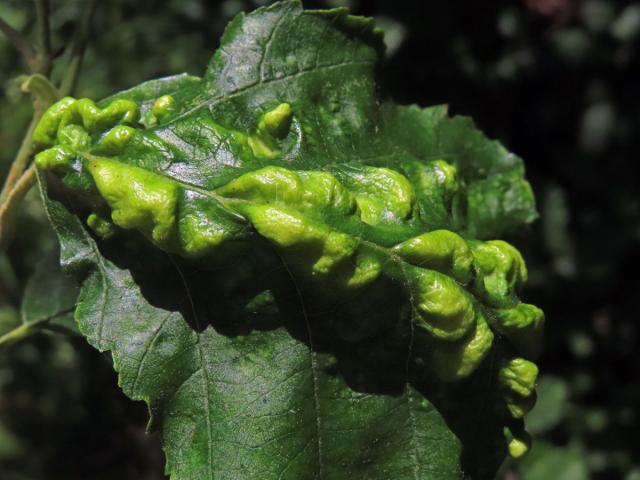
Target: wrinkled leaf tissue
301 279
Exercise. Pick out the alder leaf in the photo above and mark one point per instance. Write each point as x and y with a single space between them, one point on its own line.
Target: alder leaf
48 304
301 279
49 299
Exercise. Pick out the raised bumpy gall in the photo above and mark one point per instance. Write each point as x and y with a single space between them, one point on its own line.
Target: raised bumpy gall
462 292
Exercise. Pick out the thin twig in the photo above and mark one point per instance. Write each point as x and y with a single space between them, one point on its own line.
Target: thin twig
20 162
40 60
44 32
43 61
44 94
15 335
19 41
8 208
70 80
18 183
20 333
19 180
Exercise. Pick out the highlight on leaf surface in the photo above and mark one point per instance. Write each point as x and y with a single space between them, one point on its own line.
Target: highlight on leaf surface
378 225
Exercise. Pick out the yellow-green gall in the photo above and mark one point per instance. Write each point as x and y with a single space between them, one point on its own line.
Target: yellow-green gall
437 175
276 122
102 227
323 193
379 193
440 250
322 247
523 326
116 139
85 115
443 308
84 112
163 107
445 174
94 119
500 272
520 445
46 132
367 269
519 375
313 192
454 361
56 159
261 148
273 125
204 225
382 194
199 235
139 199
336 248
269 185
117 112
74 136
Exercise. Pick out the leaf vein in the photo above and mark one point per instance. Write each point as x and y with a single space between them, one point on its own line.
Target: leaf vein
154 336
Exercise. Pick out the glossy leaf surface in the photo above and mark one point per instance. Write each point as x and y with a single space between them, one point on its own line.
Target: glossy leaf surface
292 272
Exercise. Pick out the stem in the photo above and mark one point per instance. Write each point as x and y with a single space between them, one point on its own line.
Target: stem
20 333
44 33
41 325
43 62
40 63
18 183
70 81
14 197
20 42
43 94
20 162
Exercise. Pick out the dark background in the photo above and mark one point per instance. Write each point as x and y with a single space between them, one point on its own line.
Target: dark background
557 81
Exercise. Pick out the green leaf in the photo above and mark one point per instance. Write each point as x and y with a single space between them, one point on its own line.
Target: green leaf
289 271
48 303
49 298
9 319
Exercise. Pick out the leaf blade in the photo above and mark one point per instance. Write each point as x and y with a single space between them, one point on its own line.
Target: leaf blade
243 369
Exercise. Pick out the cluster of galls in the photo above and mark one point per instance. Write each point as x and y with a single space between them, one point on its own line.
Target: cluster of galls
344 226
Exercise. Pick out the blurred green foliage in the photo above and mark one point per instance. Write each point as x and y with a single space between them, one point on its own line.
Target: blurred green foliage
557 85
